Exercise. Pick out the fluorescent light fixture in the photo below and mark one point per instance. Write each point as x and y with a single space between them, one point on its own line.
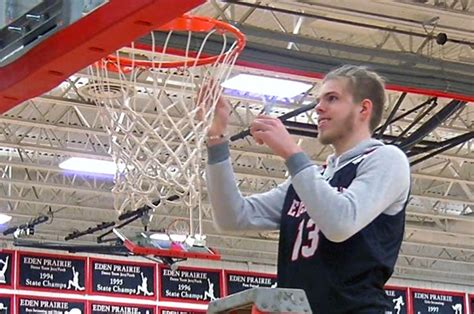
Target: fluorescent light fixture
90 165
5 151
4 218
267 86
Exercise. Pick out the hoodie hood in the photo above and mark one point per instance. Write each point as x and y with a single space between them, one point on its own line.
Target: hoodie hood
334 161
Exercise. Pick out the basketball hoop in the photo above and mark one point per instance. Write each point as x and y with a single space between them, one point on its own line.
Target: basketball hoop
146 95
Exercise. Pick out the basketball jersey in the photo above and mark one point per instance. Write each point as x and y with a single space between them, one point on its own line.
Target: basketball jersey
346 277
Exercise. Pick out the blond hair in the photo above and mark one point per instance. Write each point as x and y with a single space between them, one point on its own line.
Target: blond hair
363 84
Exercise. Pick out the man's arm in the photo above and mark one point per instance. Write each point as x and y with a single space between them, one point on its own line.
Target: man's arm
381 186
231 210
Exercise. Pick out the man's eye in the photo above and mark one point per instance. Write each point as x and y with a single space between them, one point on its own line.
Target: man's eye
332 98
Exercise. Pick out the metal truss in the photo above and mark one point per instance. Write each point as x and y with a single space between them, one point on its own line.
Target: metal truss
375 25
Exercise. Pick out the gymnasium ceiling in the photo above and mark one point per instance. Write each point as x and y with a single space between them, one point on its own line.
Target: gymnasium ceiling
298 40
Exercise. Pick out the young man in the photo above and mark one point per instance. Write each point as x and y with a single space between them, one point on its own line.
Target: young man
341 226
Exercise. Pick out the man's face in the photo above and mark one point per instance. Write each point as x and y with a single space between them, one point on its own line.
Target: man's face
337 112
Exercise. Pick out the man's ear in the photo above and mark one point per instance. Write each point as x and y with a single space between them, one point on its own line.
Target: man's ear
366 109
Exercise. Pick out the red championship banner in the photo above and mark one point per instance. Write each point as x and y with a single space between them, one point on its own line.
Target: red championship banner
28 305
399 299
7 304
98 307
171 310
122 278
236 281
189 284
51 272
436 301
7 265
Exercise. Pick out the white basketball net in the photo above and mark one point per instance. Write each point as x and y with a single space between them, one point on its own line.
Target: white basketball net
150 114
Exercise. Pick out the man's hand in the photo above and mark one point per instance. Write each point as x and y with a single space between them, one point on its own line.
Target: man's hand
271 131
221 118
222 110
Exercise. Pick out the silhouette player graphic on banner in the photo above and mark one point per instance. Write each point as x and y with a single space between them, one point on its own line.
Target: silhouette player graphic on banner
398 304
3 308
210 292
144 286
3 270
75 281
457 308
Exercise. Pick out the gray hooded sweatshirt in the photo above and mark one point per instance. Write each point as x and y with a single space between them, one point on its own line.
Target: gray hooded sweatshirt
381 186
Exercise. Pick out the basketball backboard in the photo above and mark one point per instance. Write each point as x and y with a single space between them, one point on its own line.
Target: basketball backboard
150 245
43 42
162 245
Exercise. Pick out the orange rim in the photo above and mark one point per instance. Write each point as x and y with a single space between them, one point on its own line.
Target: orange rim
186 23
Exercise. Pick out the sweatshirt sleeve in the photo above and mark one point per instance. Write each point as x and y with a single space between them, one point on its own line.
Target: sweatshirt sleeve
381 186
231 210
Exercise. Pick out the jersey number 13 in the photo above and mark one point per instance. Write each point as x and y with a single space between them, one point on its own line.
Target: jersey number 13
305 246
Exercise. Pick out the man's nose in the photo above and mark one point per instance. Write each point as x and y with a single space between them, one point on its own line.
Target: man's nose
319 107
